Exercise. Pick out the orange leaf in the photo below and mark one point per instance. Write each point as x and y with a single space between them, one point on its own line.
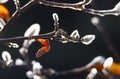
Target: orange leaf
115 68
44 49
43 41
4 13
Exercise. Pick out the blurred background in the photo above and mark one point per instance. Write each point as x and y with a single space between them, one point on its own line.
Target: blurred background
62 56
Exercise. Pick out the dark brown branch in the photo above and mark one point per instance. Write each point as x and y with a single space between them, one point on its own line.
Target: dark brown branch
44 36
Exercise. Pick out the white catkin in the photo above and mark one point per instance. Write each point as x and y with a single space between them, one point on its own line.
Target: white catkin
19 62
87 39
75 34
29 74
108 62
95 20
55 17
6 56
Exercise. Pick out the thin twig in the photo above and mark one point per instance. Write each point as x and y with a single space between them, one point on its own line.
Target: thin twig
44 36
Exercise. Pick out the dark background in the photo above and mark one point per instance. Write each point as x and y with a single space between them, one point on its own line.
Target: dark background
62 56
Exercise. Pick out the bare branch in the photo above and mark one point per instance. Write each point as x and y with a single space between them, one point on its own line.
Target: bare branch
76 6
101 12
44 36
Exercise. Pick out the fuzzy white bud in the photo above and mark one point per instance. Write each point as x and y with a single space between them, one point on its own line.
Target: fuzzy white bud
87 39
75 34
7 58
29 74
95 20
92 74
108 62
37 67
14 45
37 77
19 62
55 17
33 30
23 51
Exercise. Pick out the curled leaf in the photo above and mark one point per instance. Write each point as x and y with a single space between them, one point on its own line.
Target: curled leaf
39 53
4 12
44 49
87 39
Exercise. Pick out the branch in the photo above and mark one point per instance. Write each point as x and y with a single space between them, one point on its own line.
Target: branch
101 12
80 6
44 36
76 6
